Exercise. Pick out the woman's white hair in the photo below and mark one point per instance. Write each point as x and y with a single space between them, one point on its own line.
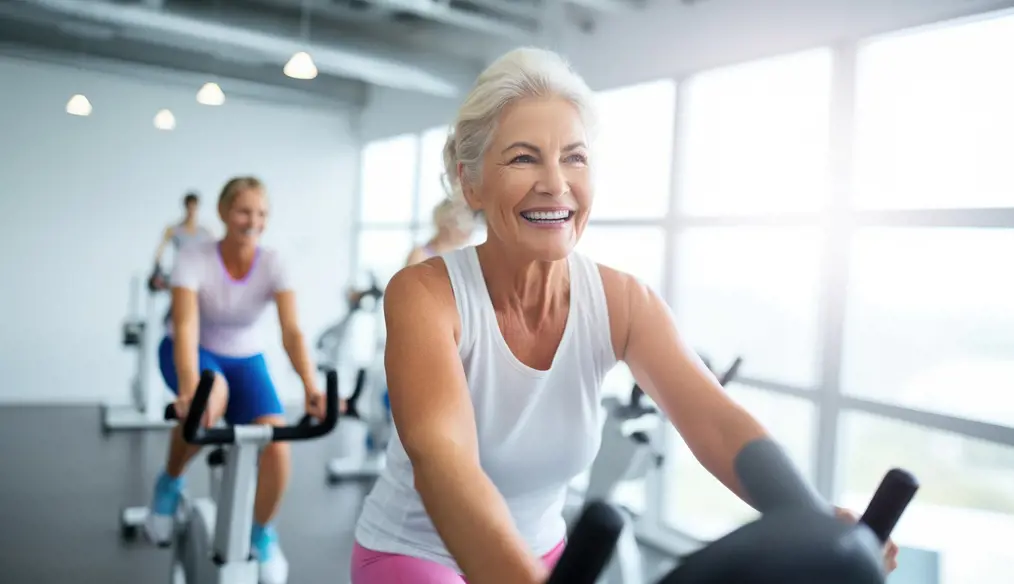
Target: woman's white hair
521 73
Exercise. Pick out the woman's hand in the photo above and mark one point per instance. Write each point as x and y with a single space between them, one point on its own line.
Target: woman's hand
890 548
316 402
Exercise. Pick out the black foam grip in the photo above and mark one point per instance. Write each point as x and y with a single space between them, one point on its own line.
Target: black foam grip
889 502
352 403
590 545
198 405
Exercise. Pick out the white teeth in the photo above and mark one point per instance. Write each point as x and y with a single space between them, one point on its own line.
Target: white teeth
557 215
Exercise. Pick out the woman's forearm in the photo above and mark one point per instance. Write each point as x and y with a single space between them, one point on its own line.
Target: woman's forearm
475 524
295 347
185 357
744 457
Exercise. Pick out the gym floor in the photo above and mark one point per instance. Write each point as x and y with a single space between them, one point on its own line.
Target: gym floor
64 484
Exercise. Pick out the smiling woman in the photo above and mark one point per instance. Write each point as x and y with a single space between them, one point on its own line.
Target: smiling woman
496 355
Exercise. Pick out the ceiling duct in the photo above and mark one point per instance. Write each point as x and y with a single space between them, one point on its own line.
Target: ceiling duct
339 61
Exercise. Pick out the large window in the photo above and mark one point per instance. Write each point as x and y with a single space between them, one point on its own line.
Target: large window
930 320
401 182
739 287
935 126
756 137
388 180
632 156
843 223
754 145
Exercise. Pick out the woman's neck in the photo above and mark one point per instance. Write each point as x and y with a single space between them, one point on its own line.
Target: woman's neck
533 287
237 258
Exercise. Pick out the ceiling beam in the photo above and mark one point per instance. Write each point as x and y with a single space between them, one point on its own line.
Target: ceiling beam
351 95
442 12
343 61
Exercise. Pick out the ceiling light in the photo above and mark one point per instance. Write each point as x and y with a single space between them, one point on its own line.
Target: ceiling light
78 105
211 94
301 66
165 120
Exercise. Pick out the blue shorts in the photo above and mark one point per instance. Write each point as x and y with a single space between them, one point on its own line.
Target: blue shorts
251 392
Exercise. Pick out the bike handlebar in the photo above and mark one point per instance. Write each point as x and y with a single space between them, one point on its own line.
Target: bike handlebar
895 492
802 545
590 545
306 429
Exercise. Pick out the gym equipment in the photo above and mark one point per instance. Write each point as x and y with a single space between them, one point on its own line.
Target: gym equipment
145 410
589 546
803 545
626 455
211 542
365 464
356 345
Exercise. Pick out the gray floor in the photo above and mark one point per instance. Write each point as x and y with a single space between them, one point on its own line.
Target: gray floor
63 485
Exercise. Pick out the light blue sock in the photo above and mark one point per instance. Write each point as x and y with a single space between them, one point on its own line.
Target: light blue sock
261 538
167 494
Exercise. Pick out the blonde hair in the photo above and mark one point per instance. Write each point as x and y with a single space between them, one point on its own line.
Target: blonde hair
521 73
454 213
234 187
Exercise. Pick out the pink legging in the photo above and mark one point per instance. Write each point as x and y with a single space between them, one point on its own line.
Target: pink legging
370 567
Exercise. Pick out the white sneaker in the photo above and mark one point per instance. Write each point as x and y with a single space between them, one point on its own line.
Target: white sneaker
159 529
164 502
274 569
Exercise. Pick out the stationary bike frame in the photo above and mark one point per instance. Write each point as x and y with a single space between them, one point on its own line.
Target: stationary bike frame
211 543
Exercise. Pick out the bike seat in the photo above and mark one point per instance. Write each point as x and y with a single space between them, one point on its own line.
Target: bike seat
216 457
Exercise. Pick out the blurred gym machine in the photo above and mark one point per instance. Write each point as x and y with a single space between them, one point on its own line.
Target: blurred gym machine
147 404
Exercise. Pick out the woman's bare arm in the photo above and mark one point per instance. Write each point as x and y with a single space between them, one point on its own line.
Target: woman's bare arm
167 236
185 326
714 426
434 418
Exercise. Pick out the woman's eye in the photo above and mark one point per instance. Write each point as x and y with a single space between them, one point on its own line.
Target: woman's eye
522 158
577 159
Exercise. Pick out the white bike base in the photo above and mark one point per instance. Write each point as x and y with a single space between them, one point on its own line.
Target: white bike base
353 468
127 418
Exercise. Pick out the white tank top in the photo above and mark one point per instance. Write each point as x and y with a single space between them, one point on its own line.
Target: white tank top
537 430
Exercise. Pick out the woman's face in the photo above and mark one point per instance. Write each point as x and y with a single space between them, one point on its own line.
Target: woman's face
191 209
245 218
535 188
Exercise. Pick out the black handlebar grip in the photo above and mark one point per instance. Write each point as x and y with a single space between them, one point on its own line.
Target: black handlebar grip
893 495
192 425
170 413
590 546
352 403
306 429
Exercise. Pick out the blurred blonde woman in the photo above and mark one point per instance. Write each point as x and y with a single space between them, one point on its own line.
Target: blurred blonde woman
455 224
220 290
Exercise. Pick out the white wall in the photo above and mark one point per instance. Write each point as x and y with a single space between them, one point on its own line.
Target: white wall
84 200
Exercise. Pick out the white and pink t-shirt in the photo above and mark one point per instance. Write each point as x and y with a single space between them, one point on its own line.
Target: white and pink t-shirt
229 309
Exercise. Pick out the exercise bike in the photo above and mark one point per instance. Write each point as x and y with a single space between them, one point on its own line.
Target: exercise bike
626 455
799 542
355 346
145 410
211 541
